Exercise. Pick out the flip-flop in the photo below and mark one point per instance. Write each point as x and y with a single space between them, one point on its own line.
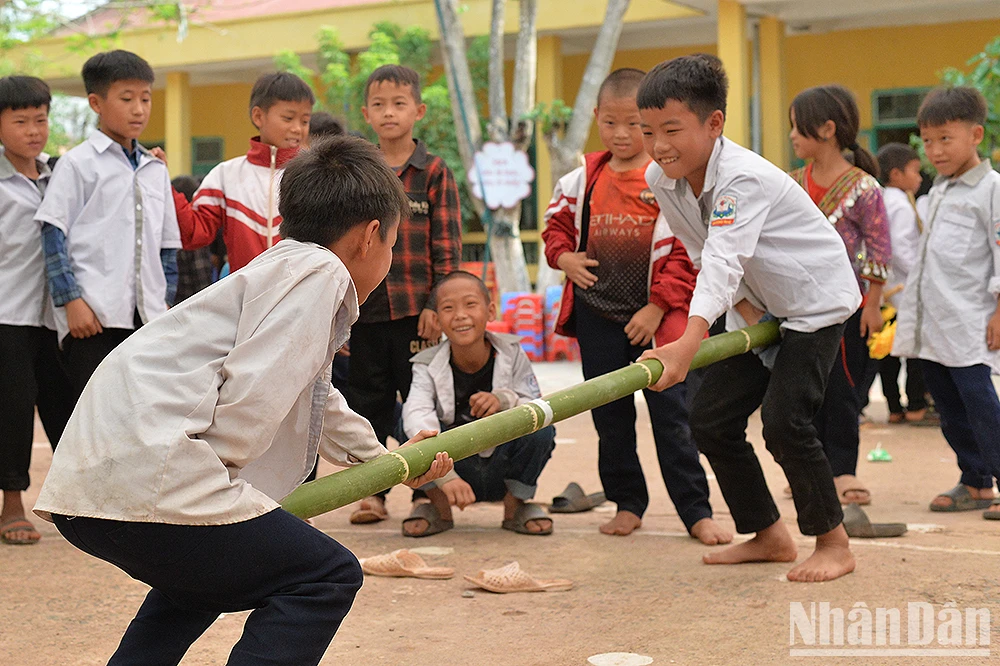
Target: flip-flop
511 578
435 523
19 525
858 525
848 483
368 513
992 515
961 500
574 500
525 514
403 564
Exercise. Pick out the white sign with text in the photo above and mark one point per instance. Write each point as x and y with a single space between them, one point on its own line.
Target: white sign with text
502 176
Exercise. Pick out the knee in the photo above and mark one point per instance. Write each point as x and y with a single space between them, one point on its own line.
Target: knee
346 570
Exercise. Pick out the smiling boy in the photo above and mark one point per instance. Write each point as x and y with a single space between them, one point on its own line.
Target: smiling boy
949 317
109 230
398 320
241 195
762 247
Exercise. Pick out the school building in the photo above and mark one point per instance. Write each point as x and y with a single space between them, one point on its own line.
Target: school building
888 52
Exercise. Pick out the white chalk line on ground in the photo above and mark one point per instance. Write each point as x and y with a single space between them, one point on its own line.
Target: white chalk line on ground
805 541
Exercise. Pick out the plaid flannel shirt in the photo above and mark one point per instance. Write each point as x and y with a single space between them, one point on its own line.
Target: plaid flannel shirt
429 243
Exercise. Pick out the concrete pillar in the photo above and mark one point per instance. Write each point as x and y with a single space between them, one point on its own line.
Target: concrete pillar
177 135
735 56
773 102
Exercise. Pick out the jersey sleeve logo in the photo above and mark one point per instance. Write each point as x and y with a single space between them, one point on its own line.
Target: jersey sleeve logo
724 212
647 197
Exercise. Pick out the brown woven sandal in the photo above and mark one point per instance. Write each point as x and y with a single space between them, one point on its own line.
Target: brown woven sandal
511 578
403 564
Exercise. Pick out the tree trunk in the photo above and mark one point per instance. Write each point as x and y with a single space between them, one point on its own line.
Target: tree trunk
567 151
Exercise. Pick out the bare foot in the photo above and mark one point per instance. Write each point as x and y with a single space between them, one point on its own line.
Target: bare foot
623 524
831 559
417 526
945 502
710 532
772 544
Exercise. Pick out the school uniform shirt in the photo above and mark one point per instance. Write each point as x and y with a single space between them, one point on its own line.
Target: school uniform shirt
240 196
213 412
952 291
24 297
116 219
755 234
904 233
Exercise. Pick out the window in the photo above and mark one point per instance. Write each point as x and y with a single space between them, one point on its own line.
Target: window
206 152
894 115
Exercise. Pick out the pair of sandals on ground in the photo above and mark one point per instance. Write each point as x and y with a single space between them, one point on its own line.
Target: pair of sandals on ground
506 579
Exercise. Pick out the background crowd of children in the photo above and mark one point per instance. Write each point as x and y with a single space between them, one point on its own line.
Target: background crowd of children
95 248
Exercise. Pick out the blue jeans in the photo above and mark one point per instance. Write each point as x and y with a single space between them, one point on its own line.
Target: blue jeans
299 583
514 467
970 418
604 347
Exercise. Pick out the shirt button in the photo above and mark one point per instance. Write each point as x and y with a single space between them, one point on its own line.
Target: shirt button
138 241
138 206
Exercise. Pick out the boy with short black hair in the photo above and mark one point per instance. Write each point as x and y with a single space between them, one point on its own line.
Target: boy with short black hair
628 285
323 124
763 248
240 195
473 374
30 372
192 430
949 317
109 229
899 166
398 320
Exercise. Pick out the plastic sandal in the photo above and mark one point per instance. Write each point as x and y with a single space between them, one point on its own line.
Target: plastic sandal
403 564
511 578
525 514
859 526
574 500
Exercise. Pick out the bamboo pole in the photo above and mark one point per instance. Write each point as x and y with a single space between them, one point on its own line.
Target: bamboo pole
355 483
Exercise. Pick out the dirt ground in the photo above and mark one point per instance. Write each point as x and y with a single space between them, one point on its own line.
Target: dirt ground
647 594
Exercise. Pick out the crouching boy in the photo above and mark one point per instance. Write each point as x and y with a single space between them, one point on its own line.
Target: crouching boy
476 373
190 431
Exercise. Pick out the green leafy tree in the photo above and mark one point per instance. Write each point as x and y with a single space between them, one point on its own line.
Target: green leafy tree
339 82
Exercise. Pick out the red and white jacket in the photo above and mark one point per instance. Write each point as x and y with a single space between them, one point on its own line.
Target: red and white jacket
672 276
240 196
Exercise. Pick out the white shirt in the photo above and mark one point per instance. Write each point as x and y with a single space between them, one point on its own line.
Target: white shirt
99 201
952 291
754 233
213 412
24 297
904 234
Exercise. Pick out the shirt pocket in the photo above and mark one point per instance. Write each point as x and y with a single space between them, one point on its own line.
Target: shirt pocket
956 234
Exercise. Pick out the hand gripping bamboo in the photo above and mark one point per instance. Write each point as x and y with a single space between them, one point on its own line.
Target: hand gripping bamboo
355 483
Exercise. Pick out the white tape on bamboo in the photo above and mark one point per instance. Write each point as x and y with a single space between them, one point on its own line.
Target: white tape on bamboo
747 336
546 412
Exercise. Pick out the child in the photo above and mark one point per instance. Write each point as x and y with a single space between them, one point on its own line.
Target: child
30 372
473 374
240 196
398 321
762 247
900 168
825 125
323 124
949 316
631 283
185 439
109 230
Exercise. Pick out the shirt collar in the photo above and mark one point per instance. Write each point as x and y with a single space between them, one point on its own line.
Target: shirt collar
419 158
7 170
970 177
259 154
102 142
710 171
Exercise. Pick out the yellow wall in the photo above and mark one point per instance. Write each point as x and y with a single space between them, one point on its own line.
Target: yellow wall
215 111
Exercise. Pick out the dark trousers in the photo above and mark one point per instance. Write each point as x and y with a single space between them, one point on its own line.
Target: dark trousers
379 368
970 418
916 389
30 375
81 356
837 420
514 467
790 396
605 347
298 582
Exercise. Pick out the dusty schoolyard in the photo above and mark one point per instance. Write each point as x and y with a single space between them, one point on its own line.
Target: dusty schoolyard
647 594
